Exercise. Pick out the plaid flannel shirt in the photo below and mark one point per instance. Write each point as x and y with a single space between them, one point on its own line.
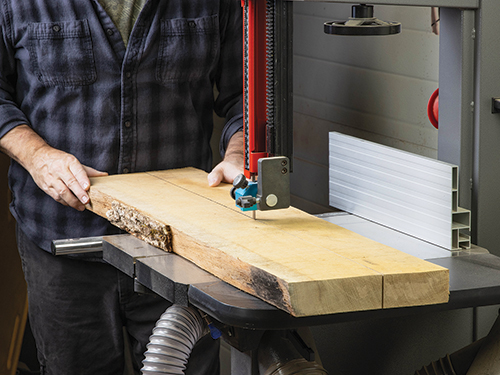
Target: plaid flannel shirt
65 71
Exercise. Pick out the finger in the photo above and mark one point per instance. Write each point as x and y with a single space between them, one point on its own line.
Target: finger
231 171
227 171
91 172
62 194
77 181
80 174
215 177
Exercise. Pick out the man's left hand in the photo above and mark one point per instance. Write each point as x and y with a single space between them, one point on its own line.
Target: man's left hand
232 165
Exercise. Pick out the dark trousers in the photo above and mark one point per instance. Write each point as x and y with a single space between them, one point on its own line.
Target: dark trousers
78 306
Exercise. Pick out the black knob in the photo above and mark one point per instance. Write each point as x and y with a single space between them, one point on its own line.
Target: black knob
362 11
233 192
240 182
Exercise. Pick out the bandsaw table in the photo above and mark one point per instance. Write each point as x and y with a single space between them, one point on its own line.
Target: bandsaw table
474 281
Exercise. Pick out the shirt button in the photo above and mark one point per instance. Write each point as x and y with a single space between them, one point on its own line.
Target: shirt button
128 74
125 170
56 28
127 124
110 32
192 24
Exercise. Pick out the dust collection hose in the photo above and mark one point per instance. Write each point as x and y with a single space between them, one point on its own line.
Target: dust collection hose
172 341
278 356
178 330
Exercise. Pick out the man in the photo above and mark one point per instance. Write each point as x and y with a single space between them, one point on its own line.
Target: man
104 86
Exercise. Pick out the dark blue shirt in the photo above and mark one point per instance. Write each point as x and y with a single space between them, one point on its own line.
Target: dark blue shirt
65 72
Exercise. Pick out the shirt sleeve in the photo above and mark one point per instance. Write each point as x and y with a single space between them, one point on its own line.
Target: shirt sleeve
229 78
10 113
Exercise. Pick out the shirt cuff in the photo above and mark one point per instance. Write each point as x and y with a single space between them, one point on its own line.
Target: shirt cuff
11 117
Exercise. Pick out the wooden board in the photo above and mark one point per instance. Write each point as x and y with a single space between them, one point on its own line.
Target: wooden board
293 260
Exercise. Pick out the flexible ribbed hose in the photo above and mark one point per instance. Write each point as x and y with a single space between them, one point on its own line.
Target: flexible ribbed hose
278 356
172 341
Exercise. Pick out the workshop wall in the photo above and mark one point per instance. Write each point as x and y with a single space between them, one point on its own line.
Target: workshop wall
370 87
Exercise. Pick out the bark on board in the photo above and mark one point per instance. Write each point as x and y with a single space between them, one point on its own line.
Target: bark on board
293 260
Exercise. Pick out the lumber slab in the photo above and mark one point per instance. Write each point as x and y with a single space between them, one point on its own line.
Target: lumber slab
295 261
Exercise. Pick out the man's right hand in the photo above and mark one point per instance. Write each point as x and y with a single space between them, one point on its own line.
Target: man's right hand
61 176
57 173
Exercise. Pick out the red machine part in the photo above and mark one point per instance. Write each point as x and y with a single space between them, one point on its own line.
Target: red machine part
255 67
433 109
